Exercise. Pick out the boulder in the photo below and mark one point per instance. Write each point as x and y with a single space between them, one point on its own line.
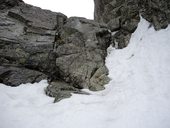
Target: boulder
81 51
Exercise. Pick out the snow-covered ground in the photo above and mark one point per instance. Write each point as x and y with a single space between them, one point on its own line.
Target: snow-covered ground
138 95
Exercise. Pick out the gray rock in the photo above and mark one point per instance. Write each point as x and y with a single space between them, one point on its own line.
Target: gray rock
6 4
99 79
114 24
130 25
157 12
60 96
61 90
36 44
35 17
121 39
14 76
58 86
127 11
27 37
81 50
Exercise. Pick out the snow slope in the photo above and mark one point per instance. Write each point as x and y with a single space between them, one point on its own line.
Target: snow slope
138 95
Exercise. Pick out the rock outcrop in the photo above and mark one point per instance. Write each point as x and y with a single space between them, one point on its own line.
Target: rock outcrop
27 36
80 49
123 16
15 76
36 44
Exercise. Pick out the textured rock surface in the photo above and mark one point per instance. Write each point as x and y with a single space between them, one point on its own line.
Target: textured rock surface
123 16
81 50
6 4
61 90
36 44
14 76
27 35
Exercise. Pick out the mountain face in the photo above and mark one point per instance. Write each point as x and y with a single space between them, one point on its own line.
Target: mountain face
123 16
37 44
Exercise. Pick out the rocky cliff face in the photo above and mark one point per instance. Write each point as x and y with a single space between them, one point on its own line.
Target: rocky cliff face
37 44
123 16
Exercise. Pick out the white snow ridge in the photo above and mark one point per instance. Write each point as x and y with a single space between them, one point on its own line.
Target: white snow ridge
138 96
